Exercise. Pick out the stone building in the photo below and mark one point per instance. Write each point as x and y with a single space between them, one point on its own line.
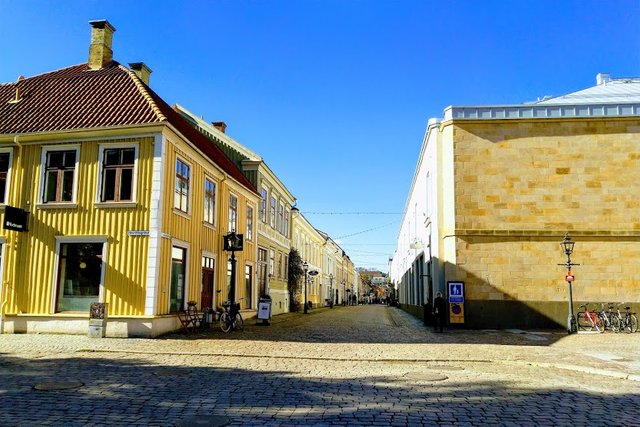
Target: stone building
497 187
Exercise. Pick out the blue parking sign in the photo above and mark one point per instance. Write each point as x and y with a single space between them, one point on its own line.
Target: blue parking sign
456 292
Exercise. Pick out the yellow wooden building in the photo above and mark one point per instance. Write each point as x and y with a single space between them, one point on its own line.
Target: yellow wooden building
108 195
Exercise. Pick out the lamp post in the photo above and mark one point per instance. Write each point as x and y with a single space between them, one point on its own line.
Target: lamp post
330 290
343 292
567 245
233 242
305 267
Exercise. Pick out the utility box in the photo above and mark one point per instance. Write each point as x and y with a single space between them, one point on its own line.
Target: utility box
98 319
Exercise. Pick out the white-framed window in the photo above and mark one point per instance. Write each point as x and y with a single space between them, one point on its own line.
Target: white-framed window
287 219
263 205
209 201
272 212
80 273
272 261
280 218
233 213
118 166
183 179
6 160
249 232
59 176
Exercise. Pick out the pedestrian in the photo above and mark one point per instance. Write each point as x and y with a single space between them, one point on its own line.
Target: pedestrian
439 312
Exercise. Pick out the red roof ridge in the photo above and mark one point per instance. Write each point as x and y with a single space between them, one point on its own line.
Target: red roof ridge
145 93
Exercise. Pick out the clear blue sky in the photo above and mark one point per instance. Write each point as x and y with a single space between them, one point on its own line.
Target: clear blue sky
336 94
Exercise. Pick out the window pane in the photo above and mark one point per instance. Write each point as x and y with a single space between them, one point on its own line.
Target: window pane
111 157
126 184
4 162
54 159
128 156
69 159
109 185
67 186
51 183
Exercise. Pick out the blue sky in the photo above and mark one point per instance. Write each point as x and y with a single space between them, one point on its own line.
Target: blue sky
335 95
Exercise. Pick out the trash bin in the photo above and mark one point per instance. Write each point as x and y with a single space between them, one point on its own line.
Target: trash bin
264 309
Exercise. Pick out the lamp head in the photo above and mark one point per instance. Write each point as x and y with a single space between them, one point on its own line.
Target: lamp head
567 244
305 266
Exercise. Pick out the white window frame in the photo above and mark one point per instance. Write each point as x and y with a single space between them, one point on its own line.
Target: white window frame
181 244
77 239
46 149
215 200
134 183
190 189
249 222
7 189
264 204
237 211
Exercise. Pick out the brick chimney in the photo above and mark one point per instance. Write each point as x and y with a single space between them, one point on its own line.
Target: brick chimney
100 53
221 126
141 70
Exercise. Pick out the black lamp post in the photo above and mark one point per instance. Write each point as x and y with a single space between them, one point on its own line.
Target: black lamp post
343 292
331 290
233 242
567 246
305 267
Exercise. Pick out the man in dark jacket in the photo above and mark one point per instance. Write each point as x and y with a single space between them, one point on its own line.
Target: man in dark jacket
439 312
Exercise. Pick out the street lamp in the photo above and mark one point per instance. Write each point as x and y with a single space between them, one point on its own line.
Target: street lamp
330 290
233 242
305 267
567 245
343 292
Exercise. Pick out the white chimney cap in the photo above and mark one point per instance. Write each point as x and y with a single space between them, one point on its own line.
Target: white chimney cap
603 78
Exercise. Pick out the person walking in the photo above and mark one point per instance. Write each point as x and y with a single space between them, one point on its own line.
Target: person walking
439 312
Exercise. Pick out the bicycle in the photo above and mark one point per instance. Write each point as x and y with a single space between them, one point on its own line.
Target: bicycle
231 317
628 320
587 320
609 319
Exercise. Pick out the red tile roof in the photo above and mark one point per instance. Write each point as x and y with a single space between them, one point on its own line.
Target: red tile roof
77 98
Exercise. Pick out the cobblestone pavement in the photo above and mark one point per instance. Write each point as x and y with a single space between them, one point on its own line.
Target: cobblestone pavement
365 365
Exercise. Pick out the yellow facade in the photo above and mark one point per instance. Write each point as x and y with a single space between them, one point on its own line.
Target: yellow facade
137 237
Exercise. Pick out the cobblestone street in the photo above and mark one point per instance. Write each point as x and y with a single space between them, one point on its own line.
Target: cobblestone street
364 365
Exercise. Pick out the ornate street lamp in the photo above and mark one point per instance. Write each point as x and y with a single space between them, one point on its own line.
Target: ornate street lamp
567 245
233 242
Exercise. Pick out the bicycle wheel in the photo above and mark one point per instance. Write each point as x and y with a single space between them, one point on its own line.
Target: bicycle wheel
584 324
633 323
601 323
615 324
238 323
225 322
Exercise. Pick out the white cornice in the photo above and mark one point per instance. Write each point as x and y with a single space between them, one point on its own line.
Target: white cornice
536 111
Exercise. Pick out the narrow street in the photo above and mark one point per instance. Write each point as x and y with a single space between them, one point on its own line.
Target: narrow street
362 365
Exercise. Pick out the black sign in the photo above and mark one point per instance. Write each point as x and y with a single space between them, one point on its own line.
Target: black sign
15 219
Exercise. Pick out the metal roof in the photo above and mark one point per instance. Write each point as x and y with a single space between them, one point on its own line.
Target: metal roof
614 91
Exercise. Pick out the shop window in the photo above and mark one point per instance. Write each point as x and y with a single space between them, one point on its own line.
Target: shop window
80 275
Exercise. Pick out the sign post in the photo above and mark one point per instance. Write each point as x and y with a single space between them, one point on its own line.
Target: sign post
456 302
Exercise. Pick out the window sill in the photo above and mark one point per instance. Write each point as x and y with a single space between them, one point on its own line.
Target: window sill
209 225
181 213
57 206
108 205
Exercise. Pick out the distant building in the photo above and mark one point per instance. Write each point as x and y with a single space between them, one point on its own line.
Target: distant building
496 188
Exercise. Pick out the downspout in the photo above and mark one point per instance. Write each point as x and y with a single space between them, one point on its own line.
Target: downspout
3 301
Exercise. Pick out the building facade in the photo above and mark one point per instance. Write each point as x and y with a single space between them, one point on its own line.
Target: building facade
273 217
497 187
123 203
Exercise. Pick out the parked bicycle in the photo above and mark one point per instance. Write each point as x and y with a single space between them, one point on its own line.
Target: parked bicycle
610 320
589 320
231 319
628 320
